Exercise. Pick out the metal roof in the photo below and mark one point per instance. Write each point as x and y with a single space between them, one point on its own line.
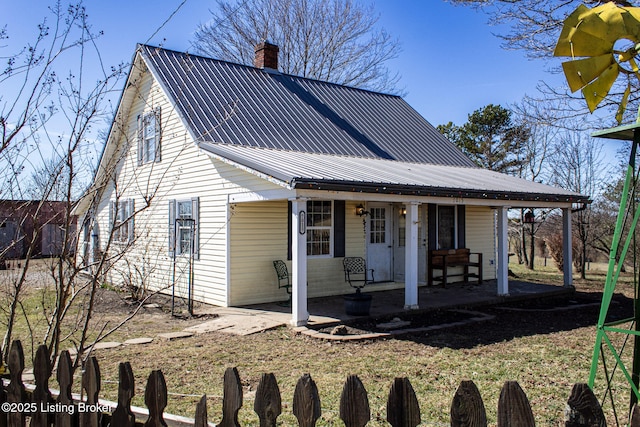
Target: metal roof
227 103
348 173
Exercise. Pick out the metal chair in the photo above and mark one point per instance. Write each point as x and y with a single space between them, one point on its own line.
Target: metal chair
357 273
284 280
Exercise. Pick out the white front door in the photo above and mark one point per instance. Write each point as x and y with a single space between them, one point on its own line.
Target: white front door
380 241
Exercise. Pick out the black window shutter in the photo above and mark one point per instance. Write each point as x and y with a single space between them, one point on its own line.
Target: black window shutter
461 227
432 222
289 242
339 228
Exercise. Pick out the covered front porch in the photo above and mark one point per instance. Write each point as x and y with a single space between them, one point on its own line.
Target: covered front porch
387 303
412 253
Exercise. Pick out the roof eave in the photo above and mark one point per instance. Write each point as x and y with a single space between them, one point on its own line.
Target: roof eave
424 191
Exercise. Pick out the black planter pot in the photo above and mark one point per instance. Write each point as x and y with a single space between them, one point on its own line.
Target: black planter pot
357 304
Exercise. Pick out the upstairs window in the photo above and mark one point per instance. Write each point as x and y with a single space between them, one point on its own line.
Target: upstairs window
149 137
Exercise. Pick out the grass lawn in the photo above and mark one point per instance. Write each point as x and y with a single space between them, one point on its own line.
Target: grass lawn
546 352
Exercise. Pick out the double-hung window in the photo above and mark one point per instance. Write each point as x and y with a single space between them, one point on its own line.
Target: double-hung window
149 137
319 227
447 224
447 227
183 227
121 215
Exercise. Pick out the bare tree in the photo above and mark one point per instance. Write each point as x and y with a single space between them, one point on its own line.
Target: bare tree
536 152
533 28
51 102
578 166
330 40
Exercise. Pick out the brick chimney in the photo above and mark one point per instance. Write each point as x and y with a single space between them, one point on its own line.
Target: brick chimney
266 55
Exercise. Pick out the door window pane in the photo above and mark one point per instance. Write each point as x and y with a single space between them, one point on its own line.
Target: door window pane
378 232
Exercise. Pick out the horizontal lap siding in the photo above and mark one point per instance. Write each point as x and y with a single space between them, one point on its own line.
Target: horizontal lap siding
480 235
183 173
258 233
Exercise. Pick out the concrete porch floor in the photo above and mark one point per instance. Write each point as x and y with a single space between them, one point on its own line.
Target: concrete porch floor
330 310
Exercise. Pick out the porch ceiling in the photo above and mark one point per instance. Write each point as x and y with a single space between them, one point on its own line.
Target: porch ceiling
311 171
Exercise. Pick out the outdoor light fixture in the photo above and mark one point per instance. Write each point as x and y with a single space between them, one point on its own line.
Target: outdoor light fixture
403 211
360 211
529 217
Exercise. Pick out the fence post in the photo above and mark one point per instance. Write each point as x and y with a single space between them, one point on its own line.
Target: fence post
16 393
66 418
354 403
155 397
231 398
91 384
268 403
41 396
403 409
583 408
122 415
306 402
201 418
467 407
513 407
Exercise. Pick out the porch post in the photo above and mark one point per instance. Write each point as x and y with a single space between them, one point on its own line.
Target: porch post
299 313
411 257
503 252
567 251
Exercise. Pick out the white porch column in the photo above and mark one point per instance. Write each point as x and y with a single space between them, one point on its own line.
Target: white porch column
299 313
502 260
567 251
411 257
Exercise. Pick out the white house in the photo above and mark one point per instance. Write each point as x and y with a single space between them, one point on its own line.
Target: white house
213 170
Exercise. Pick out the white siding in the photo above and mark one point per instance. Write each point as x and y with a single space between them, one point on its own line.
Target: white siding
480 237
183 173
258 233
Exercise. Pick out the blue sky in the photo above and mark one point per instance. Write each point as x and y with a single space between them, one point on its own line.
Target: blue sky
451 64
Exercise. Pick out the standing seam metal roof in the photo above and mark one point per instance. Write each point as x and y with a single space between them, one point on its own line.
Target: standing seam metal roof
229 103
332 172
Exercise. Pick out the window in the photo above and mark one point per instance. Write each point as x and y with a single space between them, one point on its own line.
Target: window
446 227
149 137
183 227
378 225
121 218
319 227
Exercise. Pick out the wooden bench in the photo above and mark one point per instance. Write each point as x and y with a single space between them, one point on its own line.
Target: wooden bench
443 259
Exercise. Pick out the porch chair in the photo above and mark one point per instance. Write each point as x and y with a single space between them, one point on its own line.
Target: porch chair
284 280
357 273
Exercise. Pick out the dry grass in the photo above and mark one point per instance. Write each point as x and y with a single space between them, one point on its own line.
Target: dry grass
546 353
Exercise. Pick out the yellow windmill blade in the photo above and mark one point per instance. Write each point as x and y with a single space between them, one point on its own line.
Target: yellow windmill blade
598 89
581 72
592 34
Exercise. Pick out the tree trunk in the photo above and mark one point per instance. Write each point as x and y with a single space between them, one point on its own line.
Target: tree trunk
532 246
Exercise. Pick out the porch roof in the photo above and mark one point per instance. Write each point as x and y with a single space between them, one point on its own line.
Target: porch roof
313 171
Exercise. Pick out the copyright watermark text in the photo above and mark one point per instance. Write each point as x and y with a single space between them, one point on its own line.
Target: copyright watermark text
31 407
